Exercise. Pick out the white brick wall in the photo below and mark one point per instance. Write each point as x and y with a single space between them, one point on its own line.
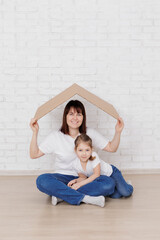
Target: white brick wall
110 47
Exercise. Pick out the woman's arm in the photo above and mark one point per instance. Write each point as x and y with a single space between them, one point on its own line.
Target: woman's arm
96 173
114 144
35 152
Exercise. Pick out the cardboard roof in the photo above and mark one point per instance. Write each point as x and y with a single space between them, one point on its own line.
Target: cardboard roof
70 92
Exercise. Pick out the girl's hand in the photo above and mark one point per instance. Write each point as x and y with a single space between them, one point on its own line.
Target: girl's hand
76 186
72 182
120 125
34 125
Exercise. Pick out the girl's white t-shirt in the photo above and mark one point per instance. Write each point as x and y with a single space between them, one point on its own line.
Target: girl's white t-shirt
62 145
106 169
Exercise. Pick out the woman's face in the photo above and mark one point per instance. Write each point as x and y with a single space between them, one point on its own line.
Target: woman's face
74 119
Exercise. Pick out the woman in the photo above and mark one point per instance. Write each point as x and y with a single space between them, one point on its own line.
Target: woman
62 144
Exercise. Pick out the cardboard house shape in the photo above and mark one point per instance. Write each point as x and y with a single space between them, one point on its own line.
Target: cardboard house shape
70 92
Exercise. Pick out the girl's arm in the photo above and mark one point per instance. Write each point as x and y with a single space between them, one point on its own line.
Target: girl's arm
114 144
81 177
96 173
77 180
34 150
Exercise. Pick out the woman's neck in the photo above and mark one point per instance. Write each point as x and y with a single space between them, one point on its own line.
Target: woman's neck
73 132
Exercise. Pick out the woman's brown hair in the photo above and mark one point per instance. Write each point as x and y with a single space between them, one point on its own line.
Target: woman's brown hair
86 139
80 109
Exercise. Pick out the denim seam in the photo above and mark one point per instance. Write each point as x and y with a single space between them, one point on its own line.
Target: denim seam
81 199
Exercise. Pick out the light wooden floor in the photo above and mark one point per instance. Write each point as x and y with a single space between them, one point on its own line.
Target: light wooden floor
27 214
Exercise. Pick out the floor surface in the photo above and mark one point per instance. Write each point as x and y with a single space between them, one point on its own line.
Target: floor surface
27 214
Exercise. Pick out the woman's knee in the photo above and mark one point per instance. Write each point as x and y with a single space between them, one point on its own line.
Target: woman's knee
116 171
43 180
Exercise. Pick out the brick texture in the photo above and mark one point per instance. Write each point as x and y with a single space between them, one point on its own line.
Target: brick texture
109 47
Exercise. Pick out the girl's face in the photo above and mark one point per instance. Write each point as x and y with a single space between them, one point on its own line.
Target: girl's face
74 119
83 151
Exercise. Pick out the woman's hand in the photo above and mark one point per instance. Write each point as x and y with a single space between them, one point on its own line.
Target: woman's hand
76 186
120 125
72 182
34 125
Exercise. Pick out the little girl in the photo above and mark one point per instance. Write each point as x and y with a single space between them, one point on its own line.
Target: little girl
89 167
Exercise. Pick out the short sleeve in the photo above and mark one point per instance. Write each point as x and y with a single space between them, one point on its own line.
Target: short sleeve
98 139
48 145
96 161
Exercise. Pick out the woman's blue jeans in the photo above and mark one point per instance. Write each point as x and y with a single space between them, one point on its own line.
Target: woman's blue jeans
122 188
55 184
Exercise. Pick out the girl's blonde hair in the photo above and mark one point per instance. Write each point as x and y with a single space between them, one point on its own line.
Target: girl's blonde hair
85 139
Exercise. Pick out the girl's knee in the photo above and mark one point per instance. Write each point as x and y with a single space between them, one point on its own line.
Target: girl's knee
128 192
107 186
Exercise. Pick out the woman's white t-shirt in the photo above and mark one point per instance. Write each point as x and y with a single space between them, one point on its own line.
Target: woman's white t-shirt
62 145
106 169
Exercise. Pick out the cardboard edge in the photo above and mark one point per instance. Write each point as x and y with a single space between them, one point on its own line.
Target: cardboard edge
97 101
55 102
70 92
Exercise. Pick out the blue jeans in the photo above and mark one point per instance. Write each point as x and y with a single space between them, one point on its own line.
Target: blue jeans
56 185
122 188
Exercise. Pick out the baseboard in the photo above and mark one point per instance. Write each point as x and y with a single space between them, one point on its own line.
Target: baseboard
23 172
38 172
141 171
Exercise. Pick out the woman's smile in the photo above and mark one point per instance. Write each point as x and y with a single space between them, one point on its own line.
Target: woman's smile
74 118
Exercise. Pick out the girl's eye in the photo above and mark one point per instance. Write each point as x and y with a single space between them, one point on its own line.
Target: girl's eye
79 114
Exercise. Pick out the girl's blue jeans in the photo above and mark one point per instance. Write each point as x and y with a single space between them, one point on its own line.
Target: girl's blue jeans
122 188
55 184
